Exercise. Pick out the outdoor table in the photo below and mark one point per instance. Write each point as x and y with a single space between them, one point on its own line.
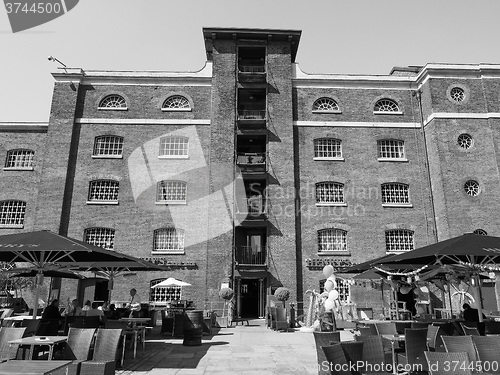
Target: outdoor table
14 320
32 367
138 329
33 341
394 339
136 321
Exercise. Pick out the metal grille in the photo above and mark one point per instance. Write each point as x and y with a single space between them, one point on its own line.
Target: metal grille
399 240
113 101
168 239
22 159
327 148
108 145
325 104
171 191
332 240
386 105
174 146
464 141
103 190
342 288
163 295
102 237
329 192
481 232
395 193
471 187
12 213
391 149
457 94
176 102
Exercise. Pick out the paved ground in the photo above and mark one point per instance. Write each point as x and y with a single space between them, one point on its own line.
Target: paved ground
252 350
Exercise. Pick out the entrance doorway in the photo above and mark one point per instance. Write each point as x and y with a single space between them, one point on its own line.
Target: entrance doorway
250 297
95 289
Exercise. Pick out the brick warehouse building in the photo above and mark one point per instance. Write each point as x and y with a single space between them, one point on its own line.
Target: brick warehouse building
253 173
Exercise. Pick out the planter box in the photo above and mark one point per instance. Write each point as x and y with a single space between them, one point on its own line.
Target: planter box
222 321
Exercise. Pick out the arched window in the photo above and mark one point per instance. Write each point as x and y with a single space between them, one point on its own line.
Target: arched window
395 193
386 105
329 193
325 105
399 240
176 103
171 191
108 146
332 239
113 101
103 191
12 213
20 159
481 232
174 147
102 237
327 148
168 240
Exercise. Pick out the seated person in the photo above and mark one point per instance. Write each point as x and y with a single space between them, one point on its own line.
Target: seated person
74 309
112 313
95 311
87 306
472 315
52 311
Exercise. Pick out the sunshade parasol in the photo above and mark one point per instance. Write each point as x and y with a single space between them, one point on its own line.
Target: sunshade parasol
170 282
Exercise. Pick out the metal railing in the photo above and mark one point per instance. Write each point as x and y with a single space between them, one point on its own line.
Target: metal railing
251 158
251 68
251 255
252 206
251 114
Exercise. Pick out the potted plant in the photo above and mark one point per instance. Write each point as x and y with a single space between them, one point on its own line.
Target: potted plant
227 295
282 294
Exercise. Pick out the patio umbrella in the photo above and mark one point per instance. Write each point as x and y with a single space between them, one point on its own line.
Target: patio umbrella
32 272
473 253
46 249
170 282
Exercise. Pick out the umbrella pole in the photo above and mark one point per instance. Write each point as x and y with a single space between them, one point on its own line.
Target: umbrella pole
37 295
448 286
477 291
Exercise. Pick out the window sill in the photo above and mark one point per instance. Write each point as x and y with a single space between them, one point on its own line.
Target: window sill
107 156
395 160
170 203
176 109
397 252
331 204
11 226
179 252
102 202
173 157
332 159
326 112
387 113
334 252
400 205
18 169
112 109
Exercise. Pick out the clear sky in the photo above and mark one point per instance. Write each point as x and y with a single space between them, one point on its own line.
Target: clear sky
349 36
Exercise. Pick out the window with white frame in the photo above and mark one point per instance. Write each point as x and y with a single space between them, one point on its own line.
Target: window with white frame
394 193
102 237
12 214
163 295
325 105
176 103
174 147
103 191
171 191
389 149
108 146
342 288
20 159
168 240
386 106
113 102
332 239
398 240
329 193
327 148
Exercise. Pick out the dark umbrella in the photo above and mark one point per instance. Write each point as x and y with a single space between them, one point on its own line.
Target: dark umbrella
472 252
32 272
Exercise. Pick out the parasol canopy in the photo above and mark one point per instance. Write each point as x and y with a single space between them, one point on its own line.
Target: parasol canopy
170 282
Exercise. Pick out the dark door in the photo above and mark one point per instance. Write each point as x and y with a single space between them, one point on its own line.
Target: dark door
249 291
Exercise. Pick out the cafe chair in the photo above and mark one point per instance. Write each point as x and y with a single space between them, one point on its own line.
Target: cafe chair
492 328
457 344
7 334
468 330
415 325
136 334
434 340
365 331
77 348
440 363
415 346
335 360
386 328
353 351
488 349
401 326
105 352
324 339
31 326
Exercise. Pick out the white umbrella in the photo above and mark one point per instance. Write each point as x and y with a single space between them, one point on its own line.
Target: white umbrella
170 282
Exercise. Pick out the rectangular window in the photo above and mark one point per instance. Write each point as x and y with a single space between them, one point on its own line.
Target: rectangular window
103 191
171 192
391 149
108 146
329 193
342 288
398 240
326 148
395 194
161 296
174 147
168 240
102 237
20 159
332 240
12 214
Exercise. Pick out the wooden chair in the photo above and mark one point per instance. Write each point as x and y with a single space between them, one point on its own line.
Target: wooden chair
442 363
488 349
324 339
335 361
77 348
105 353
415 346
458 344
7 334
434 340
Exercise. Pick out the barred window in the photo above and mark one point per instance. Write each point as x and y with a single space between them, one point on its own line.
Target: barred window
20 159
395 193
471 188
113 101
327 148
398 240
457 94
386 105
176 102
108 145
329 192
102 237
103 191
342 287
325 105
391 149
481 232
160 296
168 239
465 141
174 147
332 240
12 213
171 191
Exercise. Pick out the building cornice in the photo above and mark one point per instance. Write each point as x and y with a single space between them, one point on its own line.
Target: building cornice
476 116
351 124
141 121
24 126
